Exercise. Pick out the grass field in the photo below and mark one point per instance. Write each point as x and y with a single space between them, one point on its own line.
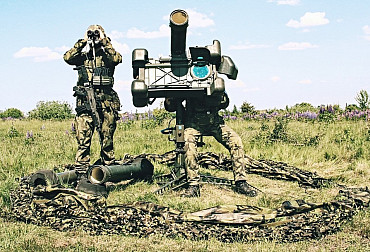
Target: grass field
339 150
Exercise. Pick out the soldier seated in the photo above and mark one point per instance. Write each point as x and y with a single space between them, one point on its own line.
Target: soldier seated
201 118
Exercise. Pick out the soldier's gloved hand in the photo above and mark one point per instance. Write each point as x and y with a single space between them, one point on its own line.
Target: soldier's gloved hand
81 43
225 101
105 41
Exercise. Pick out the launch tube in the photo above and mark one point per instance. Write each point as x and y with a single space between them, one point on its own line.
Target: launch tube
140 168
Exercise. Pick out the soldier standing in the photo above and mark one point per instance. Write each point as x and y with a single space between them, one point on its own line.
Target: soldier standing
201 118
97 104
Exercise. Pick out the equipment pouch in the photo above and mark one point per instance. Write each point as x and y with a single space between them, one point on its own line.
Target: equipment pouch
81 109
111 100
99 102
102 81
82 74
102 77
203 119
116 104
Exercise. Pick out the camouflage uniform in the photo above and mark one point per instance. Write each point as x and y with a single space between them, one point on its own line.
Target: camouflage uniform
108 104
202 118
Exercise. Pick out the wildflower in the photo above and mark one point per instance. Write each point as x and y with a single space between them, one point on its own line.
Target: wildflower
131 116
247 117
322 109
330 109
123 119
150 114
29 134
73 128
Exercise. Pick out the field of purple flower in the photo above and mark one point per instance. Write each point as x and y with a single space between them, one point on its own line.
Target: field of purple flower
324 113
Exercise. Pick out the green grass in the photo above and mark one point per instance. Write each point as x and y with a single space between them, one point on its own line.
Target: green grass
339 150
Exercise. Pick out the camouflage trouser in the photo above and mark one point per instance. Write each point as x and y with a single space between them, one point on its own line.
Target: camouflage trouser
84 132
224 135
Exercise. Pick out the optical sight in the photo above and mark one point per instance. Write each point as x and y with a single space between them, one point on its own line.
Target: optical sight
193 74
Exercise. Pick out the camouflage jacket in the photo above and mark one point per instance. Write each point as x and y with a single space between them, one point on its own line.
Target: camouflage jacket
105 57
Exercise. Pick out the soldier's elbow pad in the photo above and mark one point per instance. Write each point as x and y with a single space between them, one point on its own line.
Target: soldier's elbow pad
67 58
170 105
169 108
225 101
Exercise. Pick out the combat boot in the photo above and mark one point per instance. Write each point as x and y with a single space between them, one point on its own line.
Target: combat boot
243 187
192 191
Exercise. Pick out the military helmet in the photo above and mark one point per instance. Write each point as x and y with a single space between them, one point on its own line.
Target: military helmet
95 31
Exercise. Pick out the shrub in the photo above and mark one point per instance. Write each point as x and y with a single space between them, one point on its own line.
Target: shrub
280 132
362 99
51 110
248 108
13 132
351 107
160 115
235 111
327 114
12 112
302 107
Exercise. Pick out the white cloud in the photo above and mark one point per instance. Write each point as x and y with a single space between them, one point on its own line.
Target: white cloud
199 20
121 48
275 78
307 81
196 20
285 2
246 46
43 54
163 31
39 54
366 30
295 46
116 35
62 49
309 19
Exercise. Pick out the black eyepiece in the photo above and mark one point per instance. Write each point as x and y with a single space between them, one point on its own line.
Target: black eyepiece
91 33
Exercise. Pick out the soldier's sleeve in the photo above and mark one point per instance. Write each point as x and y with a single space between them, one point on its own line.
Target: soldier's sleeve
74 55
113 56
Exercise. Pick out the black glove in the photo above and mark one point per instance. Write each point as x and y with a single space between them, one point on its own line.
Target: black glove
105 41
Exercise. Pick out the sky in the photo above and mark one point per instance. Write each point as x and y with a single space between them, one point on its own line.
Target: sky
287 51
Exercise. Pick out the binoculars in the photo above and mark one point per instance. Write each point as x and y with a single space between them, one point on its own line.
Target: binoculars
91 33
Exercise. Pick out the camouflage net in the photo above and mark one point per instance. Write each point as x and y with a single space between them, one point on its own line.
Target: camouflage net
68 209
266 168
